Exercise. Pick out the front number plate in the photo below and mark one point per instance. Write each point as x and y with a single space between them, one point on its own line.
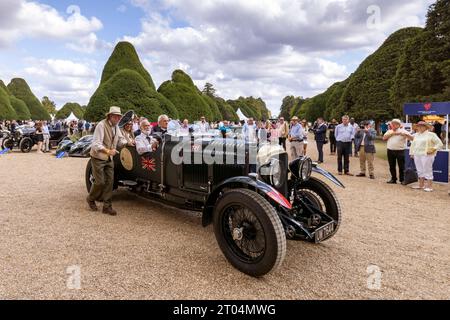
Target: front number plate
324 232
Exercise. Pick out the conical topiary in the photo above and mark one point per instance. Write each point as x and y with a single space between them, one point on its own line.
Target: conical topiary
126 84
128 90
125 56
21 109
186 97
6 110
68 108
20 89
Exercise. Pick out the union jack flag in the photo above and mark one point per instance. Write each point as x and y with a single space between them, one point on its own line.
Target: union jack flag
148 164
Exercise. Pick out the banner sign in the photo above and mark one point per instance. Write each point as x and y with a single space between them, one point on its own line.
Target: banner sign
440 166
426 109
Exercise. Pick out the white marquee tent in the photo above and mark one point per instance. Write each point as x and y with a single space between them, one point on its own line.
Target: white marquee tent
72 117
241 116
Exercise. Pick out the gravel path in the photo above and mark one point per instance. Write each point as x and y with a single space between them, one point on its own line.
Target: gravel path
151 251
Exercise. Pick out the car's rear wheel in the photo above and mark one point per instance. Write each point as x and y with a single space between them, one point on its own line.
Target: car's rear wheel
249 232
89 176
26 144
8 144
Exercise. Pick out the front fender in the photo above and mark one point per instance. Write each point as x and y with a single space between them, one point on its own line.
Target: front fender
242 182
328 175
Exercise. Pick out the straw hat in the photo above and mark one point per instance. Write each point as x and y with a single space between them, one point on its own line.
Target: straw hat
398 121
114 110
424 124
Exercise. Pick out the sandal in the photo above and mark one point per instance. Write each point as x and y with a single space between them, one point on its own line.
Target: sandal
428 190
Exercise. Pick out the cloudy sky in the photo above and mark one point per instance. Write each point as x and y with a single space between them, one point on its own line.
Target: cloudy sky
263 48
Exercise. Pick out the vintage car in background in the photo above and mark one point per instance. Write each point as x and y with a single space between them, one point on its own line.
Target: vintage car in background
79 149
24 138
254 209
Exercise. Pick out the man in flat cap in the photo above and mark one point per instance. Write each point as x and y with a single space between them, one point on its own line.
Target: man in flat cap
107 139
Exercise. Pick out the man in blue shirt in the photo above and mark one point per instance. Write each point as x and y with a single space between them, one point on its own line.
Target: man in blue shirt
345 134
296 138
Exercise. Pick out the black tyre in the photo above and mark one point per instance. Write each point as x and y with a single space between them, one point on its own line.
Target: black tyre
323 198
249 232
26 144
89 177
8 144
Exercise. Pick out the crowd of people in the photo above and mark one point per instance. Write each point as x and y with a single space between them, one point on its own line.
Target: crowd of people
74 128
345 139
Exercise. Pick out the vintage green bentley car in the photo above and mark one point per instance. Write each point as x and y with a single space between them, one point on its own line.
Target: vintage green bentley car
253 196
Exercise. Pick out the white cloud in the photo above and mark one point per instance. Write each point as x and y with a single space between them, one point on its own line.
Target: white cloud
26 19
262 47
62 80
122 8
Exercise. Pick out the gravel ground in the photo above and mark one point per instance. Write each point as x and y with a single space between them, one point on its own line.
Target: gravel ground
150 251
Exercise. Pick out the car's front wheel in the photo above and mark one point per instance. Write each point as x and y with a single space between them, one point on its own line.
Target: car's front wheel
249 232
318 194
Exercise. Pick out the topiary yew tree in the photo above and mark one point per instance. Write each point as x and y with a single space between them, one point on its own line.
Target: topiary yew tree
126 84
68 108
20 89
125 56
186 97
6 110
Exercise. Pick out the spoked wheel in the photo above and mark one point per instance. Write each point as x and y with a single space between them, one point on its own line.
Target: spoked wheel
249 232
26 144
89 176
8 144
318 194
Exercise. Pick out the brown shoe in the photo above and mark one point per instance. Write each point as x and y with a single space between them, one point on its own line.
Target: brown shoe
361 175
110 211
349 174
92 205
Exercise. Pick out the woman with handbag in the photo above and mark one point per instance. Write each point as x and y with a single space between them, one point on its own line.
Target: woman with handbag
423 150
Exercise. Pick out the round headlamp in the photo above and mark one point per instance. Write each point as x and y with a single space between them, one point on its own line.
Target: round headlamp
305 169
276 173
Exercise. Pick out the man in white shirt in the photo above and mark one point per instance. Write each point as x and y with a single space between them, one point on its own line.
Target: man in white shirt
184 129
46 144
249 131
396 138
145 142
204 125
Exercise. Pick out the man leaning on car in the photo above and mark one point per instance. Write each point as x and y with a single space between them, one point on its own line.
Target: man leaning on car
107 139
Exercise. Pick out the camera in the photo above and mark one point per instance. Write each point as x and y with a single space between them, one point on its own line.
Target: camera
363 125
